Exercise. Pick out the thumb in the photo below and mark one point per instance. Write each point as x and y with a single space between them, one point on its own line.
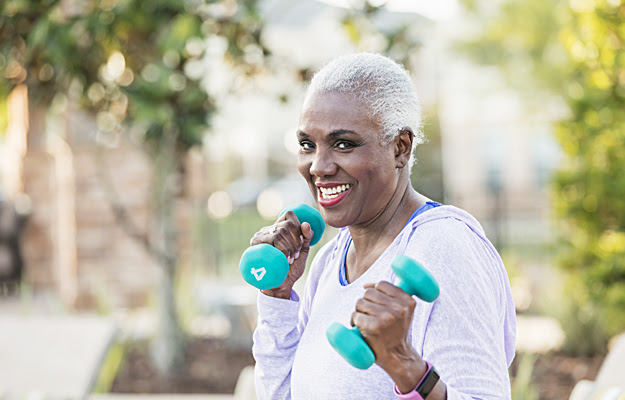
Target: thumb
307 232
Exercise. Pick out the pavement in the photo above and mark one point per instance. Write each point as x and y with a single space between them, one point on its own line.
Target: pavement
52 356
48 354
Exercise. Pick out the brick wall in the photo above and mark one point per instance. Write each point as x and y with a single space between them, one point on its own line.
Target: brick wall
73 244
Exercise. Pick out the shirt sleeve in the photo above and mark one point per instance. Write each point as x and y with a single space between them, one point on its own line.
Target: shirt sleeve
469 331
275 341
278 332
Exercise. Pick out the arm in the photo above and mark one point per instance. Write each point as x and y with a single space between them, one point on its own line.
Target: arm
465 334
275 341
281 323
279 327
471 328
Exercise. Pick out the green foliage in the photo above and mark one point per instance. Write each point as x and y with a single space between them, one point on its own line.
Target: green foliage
521 385
576 50
522 38
137 64
4 116
398 41
590 189
129 58
583 320
110 366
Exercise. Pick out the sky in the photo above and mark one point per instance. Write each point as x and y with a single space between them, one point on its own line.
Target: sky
437 10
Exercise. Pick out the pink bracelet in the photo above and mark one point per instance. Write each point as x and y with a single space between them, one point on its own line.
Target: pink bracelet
413 394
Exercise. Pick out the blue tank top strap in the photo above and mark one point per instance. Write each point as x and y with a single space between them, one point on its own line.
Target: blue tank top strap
342 273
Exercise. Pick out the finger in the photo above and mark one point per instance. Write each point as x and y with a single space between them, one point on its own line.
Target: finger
296 255
289 214
284 246
366 323
365 306
307 232
264 235
390 290
295 230
286 233
376 296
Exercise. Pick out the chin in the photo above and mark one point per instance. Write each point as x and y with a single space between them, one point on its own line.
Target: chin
333 221
336 225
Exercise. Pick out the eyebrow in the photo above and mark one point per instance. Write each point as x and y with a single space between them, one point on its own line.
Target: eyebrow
338 132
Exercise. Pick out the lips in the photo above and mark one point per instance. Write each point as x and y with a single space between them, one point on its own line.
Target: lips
332 194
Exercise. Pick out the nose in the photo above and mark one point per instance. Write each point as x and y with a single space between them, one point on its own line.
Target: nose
322 164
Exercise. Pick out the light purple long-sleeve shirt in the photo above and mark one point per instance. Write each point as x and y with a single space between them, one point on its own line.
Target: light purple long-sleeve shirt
468 333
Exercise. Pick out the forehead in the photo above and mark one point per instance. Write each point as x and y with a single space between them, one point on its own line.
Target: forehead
328 112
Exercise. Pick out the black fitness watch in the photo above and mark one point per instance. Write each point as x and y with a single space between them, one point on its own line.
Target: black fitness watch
424 387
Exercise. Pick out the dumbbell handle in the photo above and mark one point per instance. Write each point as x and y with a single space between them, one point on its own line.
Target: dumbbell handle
414 280
264 266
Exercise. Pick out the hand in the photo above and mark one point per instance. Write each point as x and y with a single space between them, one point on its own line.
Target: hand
293 240
384 315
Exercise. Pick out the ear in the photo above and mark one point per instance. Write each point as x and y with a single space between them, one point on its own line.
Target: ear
403 147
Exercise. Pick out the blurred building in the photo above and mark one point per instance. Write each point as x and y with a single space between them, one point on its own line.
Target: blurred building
86 201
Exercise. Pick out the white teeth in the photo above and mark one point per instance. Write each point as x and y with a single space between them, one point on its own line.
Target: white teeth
333 192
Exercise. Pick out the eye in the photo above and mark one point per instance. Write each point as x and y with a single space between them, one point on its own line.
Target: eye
344 145
306 145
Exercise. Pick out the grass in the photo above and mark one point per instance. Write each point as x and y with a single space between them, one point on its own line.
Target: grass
110 368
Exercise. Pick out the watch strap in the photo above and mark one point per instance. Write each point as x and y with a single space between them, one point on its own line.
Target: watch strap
423 388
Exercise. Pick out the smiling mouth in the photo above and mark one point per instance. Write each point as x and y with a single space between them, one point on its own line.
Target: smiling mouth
330 193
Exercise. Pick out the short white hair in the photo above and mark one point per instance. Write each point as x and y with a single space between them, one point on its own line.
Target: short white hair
379 84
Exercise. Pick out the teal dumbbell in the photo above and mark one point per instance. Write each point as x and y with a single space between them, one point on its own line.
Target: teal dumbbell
265 267
415 280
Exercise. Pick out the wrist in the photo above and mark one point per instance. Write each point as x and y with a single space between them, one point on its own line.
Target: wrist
279 292
407 378
424 387
407 370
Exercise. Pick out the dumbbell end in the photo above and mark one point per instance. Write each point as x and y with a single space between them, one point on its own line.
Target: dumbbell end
350 344
415 279
263 266
306 213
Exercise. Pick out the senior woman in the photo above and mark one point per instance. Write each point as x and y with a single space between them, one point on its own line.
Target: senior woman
359 125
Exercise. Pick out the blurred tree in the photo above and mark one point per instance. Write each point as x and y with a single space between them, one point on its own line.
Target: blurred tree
140 64
367 26
575 50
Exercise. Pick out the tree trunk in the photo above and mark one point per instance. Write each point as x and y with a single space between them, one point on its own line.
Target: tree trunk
168 347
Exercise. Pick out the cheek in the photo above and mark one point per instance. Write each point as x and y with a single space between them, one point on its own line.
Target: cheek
303 166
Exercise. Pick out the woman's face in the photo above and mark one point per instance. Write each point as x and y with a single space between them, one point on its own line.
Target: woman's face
349 168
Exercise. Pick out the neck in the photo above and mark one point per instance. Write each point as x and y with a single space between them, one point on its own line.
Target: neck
370 239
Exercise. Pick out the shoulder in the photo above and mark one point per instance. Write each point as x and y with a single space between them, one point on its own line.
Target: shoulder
453 246
446 228
474 286
450 232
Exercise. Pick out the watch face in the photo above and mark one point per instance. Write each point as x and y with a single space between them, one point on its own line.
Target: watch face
429 383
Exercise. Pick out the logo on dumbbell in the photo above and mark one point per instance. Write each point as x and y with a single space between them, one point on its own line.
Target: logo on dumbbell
258 273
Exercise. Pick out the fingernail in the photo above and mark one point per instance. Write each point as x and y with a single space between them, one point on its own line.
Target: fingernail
290 260
296 255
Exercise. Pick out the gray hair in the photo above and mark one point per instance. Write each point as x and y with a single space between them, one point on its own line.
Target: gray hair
381 85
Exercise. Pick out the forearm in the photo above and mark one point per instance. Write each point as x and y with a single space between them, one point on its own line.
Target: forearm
275 341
